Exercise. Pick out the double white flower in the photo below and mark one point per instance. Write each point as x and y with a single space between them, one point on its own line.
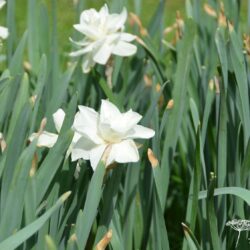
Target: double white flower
103 36
95 132
3 31
110 128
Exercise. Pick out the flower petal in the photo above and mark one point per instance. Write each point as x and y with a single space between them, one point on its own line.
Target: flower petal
116 22
123 48
104 11
96 155
108 111
87 63
81 43
81 149
3 32
88 15
103 53
76 137
45 139
2 3
114 125
125 151
82 51
126 121
85 123
139 131
87 30
58 118
127 37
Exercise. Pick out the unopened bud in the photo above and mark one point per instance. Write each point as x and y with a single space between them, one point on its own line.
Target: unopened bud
102 244
170 104
153 160
158 87
209 10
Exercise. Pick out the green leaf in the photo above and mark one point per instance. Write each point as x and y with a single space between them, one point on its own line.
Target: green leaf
33 34
160 234
191 240
238 191
46 172
179 97
245 165
239 66
16 63
211 217
19 237
41 81
13 206
14 149
86 218
50 244
192 207
21 99
110 195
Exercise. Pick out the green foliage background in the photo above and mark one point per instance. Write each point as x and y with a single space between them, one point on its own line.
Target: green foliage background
202 142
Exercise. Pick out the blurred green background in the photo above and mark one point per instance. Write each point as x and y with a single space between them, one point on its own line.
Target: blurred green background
66 14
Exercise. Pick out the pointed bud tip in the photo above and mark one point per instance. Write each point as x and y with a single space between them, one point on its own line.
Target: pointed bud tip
109 234
65 196
153 160
209 10
170 104
42 125
102 244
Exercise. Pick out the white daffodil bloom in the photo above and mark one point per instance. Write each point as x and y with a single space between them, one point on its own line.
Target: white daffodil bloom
110 128
47 139
103 36
3 31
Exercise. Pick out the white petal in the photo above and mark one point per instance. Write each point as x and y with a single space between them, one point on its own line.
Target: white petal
58 118
108 114
114 125
123 18
108 111
79 43
126 121
76 137
46 139
124 49
104 11
117 21
125 151
82 51
2 3
78 153
87 63
139 131
31 137
87 30
81 149
85 123
127 37
96 155
103 53
3 32
88 15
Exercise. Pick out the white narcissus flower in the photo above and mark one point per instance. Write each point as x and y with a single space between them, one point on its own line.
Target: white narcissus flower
110 128
103 36
3 31
47 139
